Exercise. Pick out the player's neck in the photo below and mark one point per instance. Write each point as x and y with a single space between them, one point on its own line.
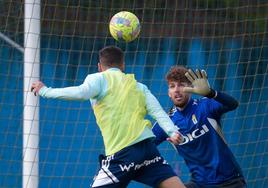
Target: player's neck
181 108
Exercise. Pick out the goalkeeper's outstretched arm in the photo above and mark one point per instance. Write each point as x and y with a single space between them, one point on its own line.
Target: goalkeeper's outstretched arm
200 86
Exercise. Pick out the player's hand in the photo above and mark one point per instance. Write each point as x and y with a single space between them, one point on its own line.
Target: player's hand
36 86
176 138
199 82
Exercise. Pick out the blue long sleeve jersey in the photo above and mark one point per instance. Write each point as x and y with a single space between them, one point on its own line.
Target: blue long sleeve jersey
204 149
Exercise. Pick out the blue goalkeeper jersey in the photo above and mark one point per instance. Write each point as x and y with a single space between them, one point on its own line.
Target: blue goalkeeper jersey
204 149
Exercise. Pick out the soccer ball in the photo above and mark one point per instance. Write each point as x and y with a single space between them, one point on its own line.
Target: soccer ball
124 26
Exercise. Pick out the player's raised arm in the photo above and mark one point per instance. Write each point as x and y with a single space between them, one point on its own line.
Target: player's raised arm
200 86
89 89
199 82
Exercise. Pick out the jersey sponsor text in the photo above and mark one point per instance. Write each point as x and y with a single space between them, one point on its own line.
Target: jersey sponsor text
194 135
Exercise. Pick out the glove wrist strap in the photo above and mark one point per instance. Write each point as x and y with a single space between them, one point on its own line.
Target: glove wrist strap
211 94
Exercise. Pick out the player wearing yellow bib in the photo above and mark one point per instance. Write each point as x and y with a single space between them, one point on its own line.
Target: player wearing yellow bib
120 104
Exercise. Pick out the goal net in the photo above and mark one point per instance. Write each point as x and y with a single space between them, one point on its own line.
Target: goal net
227 38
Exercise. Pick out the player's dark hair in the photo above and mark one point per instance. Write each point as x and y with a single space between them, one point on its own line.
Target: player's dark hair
111 56
177 74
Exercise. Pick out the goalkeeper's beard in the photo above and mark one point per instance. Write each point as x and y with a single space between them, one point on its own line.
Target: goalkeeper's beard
180 100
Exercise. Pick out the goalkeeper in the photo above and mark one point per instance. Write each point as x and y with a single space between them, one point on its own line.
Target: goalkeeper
120 104
204 149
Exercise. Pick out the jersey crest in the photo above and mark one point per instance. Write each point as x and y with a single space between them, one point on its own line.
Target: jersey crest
194 119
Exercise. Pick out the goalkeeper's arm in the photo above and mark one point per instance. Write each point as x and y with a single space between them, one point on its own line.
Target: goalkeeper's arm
200 86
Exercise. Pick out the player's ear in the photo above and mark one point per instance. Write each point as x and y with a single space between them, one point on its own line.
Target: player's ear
169 94
123 67
100 67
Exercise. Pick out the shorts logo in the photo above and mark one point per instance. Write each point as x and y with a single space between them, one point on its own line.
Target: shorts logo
105 176
105 163
138 166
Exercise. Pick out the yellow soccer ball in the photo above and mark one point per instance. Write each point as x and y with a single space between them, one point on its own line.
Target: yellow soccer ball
124 26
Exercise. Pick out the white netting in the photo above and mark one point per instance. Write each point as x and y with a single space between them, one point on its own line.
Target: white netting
227 38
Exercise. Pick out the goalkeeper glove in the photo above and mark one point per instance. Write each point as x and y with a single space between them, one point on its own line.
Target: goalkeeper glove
200 83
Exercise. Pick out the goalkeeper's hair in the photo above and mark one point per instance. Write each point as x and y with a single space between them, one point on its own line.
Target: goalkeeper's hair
177 74
111 56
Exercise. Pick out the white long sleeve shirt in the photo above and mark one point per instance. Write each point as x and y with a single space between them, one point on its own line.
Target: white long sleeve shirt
94 88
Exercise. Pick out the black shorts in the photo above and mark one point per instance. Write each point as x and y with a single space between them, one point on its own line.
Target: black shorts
140 162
